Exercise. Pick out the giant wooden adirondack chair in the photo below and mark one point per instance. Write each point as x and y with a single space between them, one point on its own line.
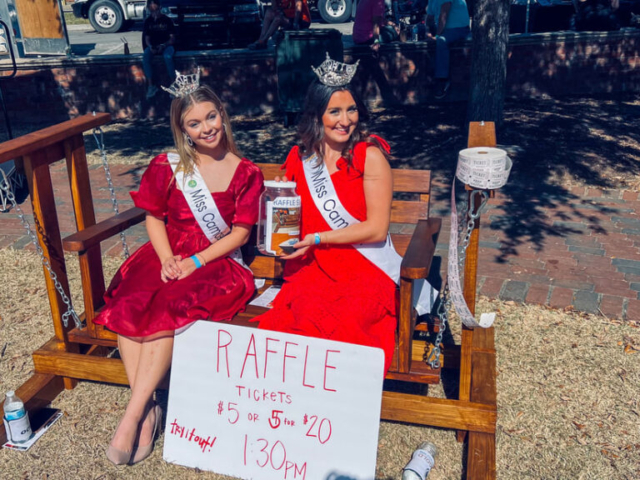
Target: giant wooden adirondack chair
74 354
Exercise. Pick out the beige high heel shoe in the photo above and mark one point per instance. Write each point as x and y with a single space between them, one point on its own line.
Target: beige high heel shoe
144 451
117 456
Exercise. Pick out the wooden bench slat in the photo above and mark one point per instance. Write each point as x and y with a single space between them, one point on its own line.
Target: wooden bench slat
403 211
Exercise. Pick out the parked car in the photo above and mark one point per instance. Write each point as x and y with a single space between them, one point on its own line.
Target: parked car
203 24
200 23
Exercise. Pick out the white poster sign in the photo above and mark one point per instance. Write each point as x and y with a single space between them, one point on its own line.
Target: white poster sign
264 405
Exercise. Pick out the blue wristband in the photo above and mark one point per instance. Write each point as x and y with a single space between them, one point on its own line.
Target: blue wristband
196 261
316 238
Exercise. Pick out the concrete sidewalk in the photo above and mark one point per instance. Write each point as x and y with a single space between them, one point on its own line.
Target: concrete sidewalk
592 265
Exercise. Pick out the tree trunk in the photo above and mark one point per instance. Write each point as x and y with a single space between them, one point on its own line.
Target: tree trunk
490 30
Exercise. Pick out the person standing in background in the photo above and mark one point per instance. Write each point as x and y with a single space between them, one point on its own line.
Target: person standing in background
158 38
285 14
368 22
449 20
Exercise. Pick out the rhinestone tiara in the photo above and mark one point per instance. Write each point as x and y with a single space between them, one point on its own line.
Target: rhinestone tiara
335 74
184 84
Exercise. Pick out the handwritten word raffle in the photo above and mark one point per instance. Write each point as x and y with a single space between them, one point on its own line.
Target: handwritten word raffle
270 356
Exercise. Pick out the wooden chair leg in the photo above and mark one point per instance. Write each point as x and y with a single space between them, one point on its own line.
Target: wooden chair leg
481 457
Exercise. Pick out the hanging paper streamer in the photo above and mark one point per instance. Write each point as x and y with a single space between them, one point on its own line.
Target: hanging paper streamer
481 168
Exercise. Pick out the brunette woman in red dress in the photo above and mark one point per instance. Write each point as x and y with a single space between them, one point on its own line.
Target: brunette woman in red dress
331 290
184 273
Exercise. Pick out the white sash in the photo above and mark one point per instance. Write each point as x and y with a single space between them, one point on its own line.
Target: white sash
382 254
202 205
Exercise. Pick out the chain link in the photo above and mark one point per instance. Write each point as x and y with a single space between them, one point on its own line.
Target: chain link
5 185
433 358
98 135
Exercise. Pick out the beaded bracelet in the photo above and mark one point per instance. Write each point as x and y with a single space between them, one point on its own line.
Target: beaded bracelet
316 238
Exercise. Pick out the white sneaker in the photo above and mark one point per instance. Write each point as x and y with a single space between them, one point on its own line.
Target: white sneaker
151 91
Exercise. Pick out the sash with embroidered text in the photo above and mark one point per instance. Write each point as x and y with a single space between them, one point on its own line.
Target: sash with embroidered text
202 205
382 254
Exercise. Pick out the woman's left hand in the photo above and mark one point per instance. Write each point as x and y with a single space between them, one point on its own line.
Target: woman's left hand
301 247
187 266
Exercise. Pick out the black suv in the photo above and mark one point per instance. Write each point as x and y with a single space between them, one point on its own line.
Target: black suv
203 24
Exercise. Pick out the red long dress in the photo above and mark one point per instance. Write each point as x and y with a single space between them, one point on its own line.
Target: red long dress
333 291
138 302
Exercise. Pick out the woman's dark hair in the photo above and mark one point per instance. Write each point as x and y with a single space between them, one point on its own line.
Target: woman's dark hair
155 2
311 130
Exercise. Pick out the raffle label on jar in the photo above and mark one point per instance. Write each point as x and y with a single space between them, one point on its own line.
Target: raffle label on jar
283 225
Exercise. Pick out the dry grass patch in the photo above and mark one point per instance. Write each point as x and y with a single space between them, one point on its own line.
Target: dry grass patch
567 397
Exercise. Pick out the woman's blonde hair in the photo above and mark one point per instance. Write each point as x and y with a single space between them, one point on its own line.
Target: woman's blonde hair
179 108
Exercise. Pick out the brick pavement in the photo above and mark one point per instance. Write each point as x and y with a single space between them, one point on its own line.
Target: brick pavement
588 258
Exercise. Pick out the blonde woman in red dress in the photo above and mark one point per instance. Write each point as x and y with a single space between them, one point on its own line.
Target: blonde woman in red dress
189 270
331 289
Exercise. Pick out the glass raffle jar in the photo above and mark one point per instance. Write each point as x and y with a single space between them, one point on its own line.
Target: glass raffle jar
279 220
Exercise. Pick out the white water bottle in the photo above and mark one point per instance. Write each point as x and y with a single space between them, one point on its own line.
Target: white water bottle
16 419
421 462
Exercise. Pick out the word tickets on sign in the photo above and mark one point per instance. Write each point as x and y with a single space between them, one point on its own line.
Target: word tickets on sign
256 404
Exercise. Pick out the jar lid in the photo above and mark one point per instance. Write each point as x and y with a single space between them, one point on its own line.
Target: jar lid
274 184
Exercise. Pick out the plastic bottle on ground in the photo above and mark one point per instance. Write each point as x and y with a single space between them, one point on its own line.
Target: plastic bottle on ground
421 462
16 419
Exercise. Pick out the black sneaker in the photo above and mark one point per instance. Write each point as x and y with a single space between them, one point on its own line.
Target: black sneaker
442 90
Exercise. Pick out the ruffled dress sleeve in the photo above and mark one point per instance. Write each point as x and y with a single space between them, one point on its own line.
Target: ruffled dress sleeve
247 200
292 164
356 169
154 187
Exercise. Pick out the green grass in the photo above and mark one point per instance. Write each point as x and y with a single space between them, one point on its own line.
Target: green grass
71 19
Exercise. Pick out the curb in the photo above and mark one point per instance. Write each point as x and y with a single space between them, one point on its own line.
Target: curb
75 28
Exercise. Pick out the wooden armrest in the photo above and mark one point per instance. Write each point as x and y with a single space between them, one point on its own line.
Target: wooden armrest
417 259
81 241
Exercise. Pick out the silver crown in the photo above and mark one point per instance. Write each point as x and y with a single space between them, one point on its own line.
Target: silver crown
335 74
184 84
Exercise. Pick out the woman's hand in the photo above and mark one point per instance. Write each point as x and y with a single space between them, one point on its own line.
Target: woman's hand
187 267
171 268
281 179
301 247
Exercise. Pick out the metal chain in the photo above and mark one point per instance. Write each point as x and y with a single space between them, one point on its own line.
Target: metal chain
6 187
433 358
98 135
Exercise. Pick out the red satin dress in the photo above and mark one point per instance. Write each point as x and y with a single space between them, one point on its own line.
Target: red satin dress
138 302
333 291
